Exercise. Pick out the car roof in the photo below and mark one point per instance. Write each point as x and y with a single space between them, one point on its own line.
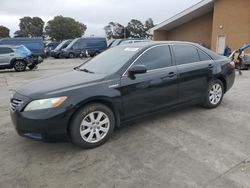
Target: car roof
153 43
145 45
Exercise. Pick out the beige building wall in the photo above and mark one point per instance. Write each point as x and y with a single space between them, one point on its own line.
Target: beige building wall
198 30
160 35
232 20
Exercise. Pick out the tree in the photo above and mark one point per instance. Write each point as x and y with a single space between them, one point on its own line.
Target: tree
61 28
116 31
136 29
30 27
149 23
4 32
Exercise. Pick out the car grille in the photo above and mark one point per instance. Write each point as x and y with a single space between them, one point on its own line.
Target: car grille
15 103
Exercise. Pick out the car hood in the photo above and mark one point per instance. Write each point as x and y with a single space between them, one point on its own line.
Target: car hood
60 83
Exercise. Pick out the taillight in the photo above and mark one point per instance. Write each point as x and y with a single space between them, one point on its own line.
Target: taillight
232 64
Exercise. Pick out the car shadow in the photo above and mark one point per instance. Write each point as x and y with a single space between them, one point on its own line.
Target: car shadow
128 127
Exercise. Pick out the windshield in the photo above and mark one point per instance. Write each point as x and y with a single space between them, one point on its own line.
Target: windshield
110 61
59 47
71 44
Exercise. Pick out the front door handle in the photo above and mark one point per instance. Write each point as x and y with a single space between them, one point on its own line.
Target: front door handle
171 74
210 66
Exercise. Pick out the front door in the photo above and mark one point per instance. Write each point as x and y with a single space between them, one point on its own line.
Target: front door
153 90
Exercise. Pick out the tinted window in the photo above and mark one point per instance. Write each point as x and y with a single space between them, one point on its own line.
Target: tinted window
185 54
203 56
96 43
5 50
155 58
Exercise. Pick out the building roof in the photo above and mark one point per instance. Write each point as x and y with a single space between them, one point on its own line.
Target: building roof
187 15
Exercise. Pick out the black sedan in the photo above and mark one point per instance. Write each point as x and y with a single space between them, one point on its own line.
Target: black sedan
124 82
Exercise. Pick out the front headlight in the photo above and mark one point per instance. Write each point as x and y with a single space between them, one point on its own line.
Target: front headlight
45 103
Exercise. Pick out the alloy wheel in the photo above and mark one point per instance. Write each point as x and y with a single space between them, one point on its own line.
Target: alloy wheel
94 127
19 66
215 94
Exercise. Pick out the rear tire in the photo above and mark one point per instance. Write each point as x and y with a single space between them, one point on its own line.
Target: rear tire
92 126
19 66
214 95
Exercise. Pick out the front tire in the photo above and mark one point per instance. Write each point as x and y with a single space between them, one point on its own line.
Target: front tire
19 66
214 95
71 56
92 126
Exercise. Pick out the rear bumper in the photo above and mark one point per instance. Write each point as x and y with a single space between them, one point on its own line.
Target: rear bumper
230 79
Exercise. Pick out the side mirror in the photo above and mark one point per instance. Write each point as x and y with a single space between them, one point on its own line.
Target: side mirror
137 69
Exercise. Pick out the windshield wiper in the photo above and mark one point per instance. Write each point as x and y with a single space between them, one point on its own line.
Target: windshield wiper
86 70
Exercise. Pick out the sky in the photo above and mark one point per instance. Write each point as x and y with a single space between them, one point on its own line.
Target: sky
96 14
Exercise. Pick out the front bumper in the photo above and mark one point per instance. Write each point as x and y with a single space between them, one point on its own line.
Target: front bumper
65 54
54 54
47 125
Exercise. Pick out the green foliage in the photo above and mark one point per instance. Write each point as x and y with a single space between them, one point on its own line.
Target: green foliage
4 32
61 28
134 29
30 27
116 31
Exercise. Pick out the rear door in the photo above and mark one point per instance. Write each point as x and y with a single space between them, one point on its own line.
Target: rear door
195 70
6 54
153 90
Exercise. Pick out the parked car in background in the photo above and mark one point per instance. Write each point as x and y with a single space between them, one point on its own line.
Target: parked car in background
131 41
118 85
110 42
35 45
85 46
118 42
17 57
246 61
49 47
57 52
